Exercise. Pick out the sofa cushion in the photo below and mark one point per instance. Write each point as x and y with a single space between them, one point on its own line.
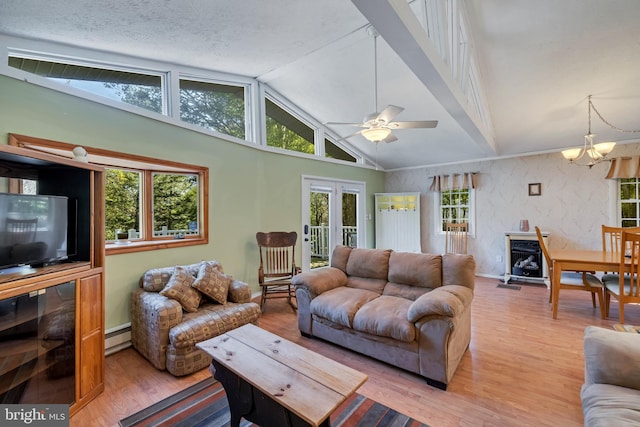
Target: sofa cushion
212 282
409 292
340 305
424 270
386 316
610 405
179 288
458 269
340 256
212 320
370 263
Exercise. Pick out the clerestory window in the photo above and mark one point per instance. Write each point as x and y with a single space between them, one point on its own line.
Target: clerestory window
139 89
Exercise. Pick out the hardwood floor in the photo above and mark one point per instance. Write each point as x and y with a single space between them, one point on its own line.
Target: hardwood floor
522 368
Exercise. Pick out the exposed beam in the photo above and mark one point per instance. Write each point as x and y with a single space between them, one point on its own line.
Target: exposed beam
397 24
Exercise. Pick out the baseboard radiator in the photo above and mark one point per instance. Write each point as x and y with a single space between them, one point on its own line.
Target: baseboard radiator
117 339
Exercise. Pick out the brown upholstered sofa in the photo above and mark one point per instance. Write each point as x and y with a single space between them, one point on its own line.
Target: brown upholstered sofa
411 310
165 329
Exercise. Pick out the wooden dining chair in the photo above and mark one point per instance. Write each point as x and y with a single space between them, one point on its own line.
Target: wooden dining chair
277 265
574 280
626 290
612 242
456 238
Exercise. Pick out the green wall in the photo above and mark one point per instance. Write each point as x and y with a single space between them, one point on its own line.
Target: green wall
250 190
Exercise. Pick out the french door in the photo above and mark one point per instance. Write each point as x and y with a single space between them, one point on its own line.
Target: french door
333 213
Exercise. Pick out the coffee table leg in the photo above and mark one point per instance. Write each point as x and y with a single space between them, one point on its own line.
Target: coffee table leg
238 392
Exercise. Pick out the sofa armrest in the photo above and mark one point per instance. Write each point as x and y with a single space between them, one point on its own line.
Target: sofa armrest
152 316
611 357
450 301
239 292
319 281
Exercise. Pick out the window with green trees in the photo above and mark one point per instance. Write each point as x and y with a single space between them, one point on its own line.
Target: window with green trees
122 203
286 131
456 207
154 203
630 202
175 204
218 107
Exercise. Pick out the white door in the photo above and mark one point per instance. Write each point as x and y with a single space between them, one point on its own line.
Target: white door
333 213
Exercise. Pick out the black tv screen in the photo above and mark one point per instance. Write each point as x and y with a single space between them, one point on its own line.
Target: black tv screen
33 229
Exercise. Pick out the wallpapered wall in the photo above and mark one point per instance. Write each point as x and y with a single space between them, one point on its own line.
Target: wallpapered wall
574 203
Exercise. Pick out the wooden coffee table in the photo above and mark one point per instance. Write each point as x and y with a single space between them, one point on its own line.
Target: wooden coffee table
273 382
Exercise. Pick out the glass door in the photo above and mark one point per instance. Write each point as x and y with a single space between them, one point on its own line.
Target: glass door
333 214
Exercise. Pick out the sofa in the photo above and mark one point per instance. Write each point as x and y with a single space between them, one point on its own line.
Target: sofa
411 310
611 390
177 307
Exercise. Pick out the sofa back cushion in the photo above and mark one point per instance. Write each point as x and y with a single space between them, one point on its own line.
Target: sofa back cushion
340 257
415 269
458 270
369 263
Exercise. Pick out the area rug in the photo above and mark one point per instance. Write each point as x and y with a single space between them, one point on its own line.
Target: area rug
205 405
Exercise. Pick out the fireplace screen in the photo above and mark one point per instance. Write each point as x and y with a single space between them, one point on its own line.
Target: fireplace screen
526 258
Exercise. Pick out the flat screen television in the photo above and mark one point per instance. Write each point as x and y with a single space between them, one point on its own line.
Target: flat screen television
34 229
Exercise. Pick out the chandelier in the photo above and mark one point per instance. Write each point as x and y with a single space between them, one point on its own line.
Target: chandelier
592 153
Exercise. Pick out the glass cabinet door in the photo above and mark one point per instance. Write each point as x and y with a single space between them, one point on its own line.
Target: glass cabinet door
37 346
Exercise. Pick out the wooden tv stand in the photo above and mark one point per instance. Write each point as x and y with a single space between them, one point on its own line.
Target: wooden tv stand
52 317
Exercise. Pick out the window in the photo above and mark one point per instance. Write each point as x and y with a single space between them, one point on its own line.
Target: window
334 152
142 90
122 203
630 202
218 107
175 204
286 131
456 206
153 203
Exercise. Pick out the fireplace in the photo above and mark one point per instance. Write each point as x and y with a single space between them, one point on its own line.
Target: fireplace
524 259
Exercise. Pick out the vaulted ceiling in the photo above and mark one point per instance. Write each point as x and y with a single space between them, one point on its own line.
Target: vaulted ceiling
537 63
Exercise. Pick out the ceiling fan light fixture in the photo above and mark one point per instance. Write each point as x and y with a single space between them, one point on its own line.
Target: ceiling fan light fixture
376 134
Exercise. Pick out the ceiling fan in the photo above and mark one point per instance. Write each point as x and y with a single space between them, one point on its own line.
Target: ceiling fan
378 126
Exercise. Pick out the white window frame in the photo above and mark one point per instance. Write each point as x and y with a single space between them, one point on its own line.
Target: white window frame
438 220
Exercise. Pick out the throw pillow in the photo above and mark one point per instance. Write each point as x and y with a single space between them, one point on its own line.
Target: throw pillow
179 288
212 282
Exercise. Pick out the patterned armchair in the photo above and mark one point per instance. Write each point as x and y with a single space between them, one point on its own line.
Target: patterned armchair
178 307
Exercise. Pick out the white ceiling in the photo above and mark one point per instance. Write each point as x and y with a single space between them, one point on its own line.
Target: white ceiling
539 60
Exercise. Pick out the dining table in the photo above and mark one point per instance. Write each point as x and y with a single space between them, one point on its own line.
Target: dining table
579 260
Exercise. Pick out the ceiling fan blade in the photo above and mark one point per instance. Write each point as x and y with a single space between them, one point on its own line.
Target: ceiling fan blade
390 138
413 125
342 124
349 136
389 112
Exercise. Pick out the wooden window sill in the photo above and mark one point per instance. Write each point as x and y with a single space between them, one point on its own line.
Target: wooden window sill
152 245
